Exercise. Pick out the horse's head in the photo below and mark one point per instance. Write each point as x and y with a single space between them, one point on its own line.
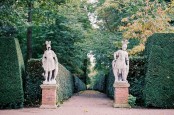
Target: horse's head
48 45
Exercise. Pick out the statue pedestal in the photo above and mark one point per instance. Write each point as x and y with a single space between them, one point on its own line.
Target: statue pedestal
48 96
121 93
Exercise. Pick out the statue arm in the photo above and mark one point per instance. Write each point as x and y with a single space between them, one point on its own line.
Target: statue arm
43 58
56 63
55 57
116 55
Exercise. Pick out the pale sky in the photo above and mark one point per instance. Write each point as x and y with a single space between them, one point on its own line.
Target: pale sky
92 1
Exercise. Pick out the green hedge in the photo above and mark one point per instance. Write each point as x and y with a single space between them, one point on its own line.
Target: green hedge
34 80
135 79
159 81
11 69
78 85
97 81
65 84
109 84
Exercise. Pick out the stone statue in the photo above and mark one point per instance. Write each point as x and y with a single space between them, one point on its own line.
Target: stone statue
49 64
120 64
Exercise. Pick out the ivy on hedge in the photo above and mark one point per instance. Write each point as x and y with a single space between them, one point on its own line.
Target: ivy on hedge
159 90
11 69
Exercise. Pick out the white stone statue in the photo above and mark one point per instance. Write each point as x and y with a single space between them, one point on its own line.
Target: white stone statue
120 64
50 65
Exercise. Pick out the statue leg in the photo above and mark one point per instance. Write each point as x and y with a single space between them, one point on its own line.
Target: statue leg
50 76
115 71
116 75
124 75
46 77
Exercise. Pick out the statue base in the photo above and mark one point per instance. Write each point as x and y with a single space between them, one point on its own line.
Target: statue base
121 93
48 96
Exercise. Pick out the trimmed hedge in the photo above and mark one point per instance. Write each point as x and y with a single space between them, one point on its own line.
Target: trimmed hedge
78 85
109 84
97 81
159 90
11 69
67 84
135 79
33 81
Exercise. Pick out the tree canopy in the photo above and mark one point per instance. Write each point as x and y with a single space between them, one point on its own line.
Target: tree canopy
66 23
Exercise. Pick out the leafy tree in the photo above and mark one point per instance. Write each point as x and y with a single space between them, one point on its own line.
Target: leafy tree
136 19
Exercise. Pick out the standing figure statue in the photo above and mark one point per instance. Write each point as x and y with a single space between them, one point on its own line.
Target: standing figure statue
120 64
49 64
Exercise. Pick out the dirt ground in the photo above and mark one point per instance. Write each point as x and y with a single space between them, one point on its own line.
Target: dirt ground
88 103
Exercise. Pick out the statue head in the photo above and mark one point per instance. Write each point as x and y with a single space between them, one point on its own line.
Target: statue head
124 44
48 45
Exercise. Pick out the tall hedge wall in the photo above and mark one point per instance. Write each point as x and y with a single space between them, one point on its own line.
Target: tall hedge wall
78 85
33 81
135 78
11 69
67 84
97 82
159 81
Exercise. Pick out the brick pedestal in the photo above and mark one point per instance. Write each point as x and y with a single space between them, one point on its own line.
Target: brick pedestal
121 93
48 96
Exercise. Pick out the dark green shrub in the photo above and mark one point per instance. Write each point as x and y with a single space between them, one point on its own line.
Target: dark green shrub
34 80
159 90
132 100
78 85
97 81
135 79
109 84
11 69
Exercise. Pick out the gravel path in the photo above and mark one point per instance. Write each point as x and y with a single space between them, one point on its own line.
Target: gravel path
88 103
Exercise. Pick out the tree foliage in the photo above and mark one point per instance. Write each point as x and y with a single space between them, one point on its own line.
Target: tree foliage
65 22
135 19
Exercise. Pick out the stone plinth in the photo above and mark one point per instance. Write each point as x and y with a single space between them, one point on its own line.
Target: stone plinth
48 96
121 93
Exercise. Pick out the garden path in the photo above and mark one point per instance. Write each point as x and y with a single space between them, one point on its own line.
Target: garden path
88 103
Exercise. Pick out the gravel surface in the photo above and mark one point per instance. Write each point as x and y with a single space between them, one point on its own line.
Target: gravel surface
88 103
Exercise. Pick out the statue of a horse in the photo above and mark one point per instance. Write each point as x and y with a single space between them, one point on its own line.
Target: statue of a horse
50 64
